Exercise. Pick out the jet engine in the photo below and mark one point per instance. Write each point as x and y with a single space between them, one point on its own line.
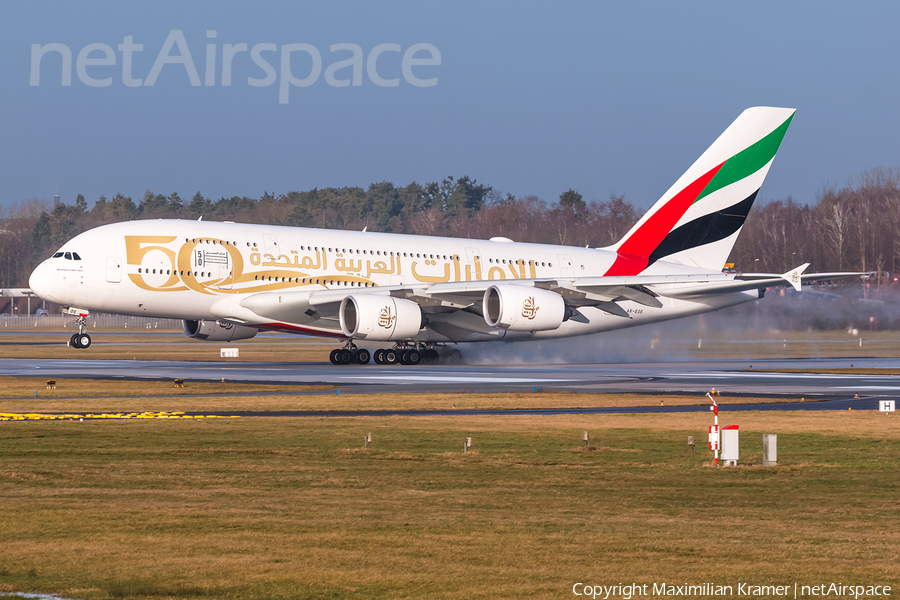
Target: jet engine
520 308
380 318
217 331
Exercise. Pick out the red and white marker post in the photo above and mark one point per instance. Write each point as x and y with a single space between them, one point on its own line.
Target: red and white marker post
714 429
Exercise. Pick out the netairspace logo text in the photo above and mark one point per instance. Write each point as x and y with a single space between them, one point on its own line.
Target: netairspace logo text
344 63
824 591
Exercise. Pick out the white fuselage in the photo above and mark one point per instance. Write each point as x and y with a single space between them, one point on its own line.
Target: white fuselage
183 269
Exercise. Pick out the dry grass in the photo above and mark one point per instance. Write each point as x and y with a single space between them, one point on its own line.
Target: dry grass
24 387
86 395
713 345
164 345
288 508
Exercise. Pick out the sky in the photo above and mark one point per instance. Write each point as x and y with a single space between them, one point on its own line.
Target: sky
531 98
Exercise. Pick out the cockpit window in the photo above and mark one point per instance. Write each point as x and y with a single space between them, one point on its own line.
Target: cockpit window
58 255
68 256
75 256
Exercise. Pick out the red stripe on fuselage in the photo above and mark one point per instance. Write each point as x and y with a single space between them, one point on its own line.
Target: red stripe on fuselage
634 253
285 328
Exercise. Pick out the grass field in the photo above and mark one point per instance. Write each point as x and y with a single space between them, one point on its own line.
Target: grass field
643 343
295 508
278 508
30 395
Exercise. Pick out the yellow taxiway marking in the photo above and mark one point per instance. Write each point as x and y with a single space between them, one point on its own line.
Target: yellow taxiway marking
129 415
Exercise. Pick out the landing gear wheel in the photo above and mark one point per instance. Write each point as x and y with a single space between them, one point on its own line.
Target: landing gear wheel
82 340
411 357
391 357
430 356
345 357
454 357
73 341
333 357
379 357
362 356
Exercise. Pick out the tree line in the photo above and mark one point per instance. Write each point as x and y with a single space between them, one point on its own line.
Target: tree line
854 227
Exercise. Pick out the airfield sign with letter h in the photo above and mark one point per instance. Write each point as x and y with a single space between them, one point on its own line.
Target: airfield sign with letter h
886 406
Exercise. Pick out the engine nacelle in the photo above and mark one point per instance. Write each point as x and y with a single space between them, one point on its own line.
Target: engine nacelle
380 318
217 331
520 308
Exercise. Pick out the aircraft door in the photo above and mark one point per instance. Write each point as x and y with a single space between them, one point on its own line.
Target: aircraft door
113 270
565 265
473 265
214 265
270 242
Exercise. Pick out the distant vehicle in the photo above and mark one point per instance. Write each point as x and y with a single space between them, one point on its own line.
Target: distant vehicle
5 315
42 312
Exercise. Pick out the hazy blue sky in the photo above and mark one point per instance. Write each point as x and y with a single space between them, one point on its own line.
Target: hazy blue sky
531 98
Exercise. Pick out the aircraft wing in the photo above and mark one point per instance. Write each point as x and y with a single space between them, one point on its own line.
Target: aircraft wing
757 281
458 306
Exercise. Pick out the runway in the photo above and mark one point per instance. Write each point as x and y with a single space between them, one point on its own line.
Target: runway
730 377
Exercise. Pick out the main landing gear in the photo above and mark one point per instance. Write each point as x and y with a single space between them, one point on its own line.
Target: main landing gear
80 339
350 354
403 354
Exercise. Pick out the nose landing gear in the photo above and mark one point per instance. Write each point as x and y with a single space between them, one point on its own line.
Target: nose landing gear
80 339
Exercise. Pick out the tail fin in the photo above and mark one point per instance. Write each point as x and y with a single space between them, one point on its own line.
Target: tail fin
697 221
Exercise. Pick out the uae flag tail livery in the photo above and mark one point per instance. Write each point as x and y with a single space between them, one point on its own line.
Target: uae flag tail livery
696 222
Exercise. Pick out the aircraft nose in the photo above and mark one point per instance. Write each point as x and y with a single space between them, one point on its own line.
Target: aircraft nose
41 281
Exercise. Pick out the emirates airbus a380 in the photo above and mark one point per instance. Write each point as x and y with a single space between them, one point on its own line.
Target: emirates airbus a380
421 295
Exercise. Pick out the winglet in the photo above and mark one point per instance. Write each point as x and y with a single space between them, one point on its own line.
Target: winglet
793 276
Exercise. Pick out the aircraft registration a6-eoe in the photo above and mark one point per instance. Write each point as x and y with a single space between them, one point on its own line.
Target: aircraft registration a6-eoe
227 281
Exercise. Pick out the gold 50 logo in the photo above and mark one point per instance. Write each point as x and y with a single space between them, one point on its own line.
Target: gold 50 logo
178 265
